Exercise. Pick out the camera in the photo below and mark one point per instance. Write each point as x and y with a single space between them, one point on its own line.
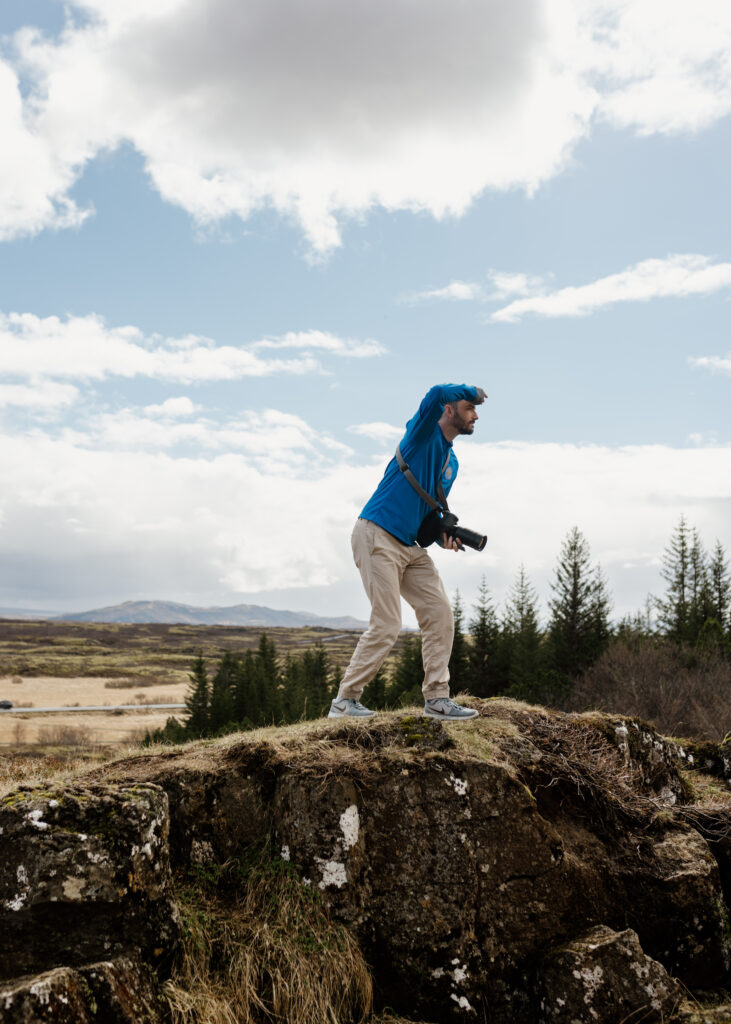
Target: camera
438 522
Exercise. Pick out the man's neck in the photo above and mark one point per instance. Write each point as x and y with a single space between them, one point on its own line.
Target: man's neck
448 428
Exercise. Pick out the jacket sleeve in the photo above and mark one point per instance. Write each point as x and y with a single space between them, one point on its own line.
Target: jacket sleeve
422 424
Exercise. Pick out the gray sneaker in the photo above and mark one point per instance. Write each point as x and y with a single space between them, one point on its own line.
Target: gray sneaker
343 707
447 710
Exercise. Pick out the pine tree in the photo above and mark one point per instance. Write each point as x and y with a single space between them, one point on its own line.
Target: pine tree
408 673
316 681
600 632
710 638
523 640
246 695
223 685
293 702
267 681
487 669
700 603
197 700
459 663
579 624
374 696
720 587
674 609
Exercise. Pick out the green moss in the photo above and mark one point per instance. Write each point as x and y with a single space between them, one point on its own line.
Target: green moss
419 731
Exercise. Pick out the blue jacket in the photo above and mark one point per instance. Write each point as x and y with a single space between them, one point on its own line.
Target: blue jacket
395 505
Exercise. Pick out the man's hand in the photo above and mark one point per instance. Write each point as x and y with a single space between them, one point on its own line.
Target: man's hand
481 395
452 543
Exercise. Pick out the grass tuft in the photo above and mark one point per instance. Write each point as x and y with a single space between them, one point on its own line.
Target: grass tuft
259 945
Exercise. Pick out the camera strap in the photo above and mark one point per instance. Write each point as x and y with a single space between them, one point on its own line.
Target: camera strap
440 505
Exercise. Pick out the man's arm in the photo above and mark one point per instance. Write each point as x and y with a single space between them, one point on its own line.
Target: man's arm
421 425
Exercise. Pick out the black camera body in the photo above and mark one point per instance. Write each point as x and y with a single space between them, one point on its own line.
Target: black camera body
438 522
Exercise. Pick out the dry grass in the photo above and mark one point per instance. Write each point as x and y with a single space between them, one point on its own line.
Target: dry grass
36 767
97 727
104 727
260 946
140 681
709 791
74 736
573 760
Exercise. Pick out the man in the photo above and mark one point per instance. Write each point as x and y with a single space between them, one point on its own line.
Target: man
392 565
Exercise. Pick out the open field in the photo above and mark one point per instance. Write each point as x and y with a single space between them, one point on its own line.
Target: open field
45 663
145 652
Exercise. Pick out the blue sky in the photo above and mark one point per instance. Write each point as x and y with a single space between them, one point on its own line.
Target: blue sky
238 242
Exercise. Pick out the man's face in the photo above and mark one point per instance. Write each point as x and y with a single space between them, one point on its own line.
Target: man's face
464 416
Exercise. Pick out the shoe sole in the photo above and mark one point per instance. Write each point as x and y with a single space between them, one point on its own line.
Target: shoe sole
450 718
344 714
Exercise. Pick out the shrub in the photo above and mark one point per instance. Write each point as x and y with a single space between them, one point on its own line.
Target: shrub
681 691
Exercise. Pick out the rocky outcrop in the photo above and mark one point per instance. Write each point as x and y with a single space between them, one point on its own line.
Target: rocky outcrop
713 758
604 976
122 991
474 867
85 876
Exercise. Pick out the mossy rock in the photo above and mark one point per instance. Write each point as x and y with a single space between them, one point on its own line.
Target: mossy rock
423 732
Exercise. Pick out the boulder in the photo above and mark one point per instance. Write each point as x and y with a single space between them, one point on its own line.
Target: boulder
121 991
603 976
86 876
462 857
691 937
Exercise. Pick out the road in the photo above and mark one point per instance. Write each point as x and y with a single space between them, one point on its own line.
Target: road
96 707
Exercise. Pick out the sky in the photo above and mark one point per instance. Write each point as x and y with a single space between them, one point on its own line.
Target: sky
239 241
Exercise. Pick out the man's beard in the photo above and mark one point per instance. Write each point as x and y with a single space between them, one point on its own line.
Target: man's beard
465 427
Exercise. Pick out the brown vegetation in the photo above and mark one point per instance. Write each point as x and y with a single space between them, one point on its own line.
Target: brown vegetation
259 945
681 692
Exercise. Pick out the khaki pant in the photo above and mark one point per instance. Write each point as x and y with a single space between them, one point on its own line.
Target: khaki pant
390 570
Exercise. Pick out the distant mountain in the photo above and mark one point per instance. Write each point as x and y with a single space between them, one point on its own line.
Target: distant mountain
235 615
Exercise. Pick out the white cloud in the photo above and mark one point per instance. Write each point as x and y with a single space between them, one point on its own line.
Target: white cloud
458 291
626 501
35 179
320 110
720 364
87 348
160 524
385 433
232 520
676 275
270 438
505 284
173 408
41 396
325 341
323 110
666 65
705 437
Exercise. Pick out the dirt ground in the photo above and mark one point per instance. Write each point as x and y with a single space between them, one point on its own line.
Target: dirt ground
87 726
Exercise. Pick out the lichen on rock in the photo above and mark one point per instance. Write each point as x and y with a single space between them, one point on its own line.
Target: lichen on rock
603 976
86 876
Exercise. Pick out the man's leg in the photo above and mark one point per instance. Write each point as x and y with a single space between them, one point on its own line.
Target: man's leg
422 587
381 560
